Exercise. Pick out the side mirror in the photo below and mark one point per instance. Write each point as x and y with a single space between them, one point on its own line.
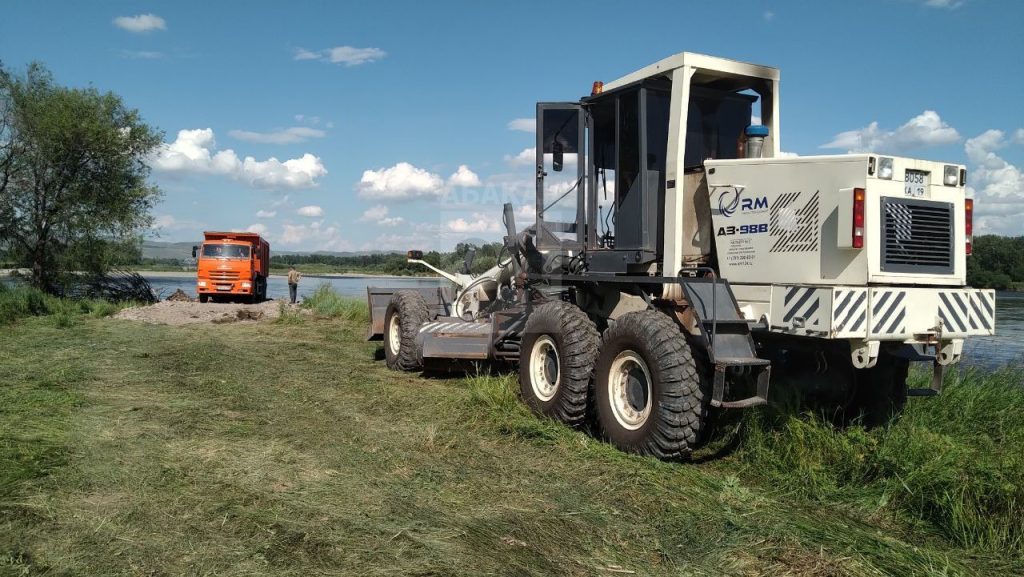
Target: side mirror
467 264
556 155
194 250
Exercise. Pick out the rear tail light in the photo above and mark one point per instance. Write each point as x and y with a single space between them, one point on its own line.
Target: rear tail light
858 218
968 225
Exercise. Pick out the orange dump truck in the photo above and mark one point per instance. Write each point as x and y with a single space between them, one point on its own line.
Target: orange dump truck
232 265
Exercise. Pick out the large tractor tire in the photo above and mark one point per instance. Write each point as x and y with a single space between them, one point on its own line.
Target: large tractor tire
651 399
406 313
556 358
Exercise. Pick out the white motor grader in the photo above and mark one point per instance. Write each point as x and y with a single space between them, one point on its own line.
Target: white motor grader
679 263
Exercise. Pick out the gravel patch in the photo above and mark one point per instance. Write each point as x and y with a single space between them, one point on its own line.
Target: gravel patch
179 313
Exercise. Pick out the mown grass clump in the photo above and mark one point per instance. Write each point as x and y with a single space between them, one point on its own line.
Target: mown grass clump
955 461
326 303
22 301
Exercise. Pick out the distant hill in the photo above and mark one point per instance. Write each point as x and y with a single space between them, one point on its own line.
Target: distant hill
183 250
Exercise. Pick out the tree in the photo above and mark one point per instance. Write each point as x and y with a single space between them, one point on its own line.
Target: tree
73 176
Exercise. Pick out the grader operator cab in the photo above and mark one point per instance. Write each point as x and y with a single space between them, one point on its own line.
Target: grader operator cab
678 263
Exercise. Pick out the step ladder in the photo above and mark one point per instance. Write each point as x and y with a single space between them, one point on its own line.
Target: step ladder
727 336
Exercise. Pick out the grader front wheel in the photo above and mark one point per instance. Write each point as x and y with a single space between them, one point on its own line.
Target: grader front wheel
556 358
406 313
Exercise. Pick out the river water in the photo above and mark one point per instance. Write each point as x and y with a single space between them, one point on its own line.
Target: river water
277 286
1005 348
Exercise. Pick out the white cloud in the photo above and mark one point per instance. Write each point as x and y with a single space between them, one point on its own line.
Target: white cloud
996 185
784 154
346 55
141 54
924 130
464 177
310 120
768 15
527 213
310 211
478 223
193 152
303 54
374 213
525 158
266 213
313 236
140 23
523 124
948 4
290 135
992 176
164 221
258 228
1018 136
401 181
379 214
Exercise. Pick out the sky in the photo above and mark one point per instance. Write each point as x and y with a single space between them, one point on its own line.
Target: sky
360 126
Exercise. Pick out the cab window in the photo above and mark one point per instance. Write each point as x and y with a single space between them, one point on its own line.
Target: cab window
225 251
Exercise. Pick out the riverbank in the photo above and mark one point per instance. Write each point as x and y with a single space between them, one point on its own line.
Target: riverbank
273 273
283 448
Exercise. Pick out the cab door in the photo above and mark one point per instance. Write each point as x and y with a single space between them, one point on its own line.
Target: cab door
560 175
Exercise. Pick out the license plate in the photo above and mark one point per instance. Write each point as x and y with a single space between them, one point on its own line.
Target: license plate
223 287
915 183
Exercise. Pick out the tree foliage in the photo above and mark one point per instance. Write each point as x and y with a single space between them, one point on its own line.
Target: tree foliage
997 262
395 263
73 176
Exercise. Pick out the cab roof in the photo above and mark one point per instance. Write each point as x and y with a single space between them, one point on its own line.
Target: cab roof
720 73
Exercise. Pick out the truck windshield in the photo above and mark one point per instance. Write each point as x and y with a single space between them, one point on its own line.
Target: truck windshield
225 251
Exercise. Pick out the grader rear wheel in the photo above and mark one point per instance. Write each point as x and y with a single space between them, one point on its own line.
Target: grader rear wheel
650 397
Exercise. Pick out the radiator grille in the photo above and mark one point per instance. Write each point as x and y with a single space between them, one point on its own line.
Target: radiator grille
917 236
224 275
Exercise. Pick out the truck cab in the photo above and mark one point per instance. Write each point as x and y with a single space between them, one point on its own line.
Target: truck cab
232 265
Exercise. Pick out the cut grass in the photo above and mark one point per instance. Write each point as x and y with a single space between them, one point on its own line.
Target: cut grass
284 449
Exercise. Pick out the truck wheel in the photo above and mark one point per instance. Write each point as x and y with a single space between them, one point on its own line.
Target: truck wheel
406 313
650 397
557 355
203 298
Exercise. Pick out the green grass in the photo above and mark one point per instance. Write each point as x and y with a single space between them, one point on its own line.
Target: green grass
954 463
21 302
285 449
326 303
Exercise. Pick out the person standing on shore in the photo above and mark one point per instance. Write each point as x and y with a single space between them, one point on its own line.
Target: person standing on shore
293 283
